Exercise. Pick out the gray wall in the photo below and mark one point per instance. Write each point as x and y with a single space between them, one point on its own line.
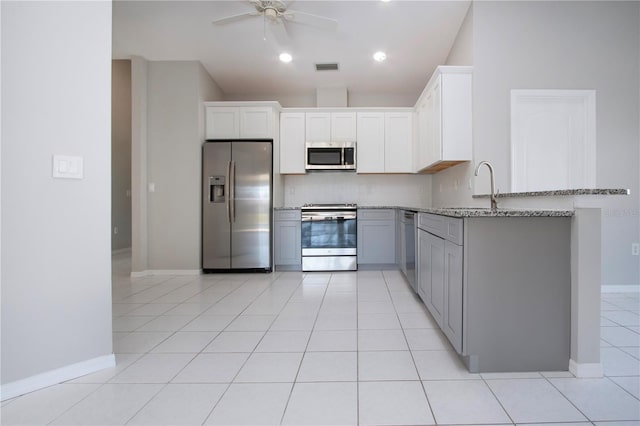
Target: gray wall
561 45
120 154
174 136
56 246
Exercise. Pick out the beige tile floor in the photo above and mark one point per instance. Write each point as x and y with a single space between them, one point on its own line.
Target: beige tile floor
317 349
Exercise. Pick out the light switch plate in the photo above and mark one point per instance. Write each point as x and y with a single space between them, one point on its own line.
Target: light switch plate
67 167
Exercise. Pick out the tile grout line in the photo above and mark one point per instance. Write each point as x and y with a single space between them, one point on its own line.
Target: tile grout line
567 398
196 354
295 379
415 366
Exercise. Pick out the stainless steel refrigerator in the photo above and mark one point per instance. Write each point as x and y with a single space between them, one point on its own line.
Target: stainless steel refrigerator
236 206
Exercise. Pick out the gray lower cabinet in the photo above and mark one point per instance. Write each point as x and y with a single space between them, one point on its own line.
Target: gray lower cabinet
452 313
440 275
287 244
377 237
499 288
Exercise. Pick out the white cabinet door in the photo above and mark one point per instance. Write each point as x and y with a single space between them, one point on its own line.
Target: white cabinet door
433 137
222 123
370 146
318 127
256 122
239 122
343 127
420 144
398 133
292 136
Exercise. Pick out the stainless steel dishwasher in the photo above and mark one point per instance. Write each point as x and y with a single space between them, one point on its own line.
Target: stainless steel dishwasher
408 236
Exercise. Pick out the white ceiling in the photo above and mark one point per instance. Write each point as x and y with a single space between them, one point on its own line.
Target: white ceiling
416 35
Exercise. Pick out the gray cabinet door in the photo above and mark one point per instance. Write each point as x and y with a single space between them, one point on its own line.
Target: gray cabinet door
431 274
376 242
452 315
288 248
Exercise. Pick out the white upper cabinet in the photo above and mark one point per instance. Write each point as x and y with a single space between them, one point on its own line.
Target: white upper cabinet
318 127
370 146
330 126
222 123
256 122
239 122
343 127
292 138
385 142
444 120
398 137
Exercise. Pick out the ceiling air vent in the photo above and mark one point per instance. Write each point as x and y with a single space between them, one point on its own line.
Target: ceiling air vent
326 67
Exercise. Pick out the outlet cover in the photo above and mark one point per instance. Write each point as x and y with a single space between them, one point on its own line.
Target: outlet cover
635 249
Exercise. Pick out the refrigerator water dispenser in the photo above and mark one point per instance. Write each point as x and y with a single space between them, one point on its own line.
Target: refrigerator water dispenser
216 189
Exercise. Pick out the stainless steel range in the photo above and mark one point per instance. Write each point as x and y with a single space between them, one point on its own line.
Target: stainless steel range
329 237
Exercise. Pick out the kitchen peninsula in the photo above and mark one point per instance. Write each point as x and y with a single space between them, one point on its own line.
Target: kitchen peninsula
516 289
502 309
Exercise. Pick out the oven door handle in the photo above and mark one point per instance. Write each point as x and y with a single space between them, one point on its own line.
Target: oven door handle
315 218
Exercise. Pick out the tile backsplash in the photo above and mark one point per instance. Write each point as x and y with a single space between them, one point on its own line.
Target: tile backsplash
365 190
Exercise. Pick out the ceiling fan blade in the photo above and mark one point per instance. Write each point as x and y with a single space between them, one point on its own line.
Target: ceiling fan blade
305 18
233 18
280 34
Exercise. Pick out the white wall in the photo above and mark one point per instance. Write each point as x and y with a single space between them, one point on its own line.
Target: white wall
561 45
461 52
56 246
354 99
121 154
174 146
168 127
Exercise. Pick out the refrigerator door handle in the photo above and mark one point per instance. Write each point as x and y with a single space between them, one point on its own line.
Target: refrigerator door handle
228 190
232 193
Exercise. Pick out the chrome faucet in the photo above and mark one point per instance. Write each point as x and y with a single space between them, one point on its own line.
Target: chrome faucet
494 194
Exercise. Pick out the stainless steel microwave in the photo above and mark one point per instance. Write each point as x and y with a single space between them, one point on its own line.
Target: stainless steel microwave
330 156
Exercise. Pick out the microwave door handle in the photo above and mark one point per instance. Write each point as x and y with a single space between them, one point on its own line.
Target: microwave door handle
342 156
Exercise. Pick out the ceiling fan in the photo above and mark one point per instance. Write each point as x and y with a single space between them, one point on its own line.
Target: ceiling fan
278 14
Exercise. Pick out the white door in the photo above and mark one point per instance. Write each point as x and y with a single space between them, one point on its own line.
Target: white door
552 140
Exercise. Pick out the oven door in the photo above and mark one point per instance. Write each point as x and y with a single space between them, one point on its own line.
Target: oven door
329 233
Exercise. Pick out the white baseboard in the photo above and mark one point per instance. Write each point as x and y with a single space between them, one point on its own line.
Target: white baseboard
620 289
121 251
151 272
585 370
53 377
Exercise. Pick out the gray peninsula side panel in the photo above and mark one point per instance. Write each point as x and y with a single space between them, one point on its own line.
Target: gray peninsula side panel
517 294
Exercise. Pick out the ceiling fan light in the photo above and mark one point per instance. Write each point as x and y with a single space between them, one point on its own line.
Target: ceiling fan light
380 56
286 57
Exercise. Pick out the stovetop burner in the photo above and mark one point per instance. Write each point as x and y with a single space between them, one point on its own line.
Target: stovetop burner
312 206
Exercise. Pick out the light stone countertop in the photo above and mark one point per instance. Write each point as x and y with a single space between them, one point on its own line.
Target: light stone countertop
469 211
560 193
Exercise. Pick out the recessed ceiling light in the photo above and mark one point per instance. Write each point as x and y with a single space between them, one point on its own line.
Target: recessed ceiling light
285 57
385 1
379 56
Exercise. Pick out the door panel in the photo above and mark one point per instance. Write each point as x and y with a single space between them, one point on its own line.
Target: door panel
452 320
436 269
251 224
216 237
